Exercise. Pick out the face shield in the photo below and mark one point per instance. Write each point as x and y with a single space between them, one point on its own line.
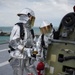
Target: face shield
32 20
46 29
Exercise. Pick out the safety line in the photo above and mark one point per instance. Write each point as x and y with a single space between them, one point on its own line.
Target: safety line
4 63
4 50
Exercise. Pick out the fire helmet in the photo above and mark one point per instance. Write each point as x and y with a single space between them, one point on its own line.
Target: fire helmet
45 27
27 13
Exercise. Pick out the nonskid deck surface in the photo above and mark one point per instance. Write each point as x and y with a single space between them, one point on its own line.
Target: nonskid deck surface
5 68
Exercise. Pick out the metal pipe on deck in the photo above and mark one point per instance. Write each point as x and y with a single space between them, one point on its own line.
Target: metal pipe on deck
61 41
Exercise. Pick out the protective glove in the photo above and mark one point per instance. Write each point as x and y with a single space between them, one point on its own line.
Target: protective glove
21 48
39 54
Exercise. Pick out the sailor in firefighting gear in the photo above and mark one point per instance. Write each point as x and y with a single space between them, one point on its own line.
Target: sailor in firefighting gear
46 30
21 43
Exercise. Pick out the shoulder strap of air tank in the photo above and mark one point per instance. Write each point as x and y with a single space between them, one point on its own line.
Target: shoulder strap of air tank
42 40
21 30
32 32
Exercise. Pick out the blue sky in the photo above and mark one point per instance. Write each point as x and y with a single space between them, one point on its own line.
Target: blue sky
51 10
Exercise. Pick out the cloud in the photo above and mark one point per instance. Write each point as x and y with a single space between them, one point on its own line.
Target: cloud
51 10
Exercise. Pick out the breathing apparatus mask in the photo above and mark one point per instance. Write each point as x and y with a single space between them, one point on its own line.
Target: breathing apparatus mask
27 20
24 18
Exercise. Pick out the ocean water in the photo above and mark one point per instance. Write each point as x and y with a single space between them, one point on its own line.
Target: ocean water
4 39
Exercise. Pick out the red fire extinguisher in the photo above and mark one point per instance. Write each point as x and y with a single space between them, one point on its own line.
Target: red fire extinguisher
40 68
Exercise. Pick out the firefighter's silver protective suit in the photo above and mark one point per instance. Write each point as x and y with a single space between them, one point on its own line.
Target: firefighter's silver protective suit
42 45
22 48
43 42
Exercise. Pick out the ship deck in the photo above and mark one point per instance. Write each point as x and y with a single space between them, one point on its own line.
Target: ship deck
5 68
